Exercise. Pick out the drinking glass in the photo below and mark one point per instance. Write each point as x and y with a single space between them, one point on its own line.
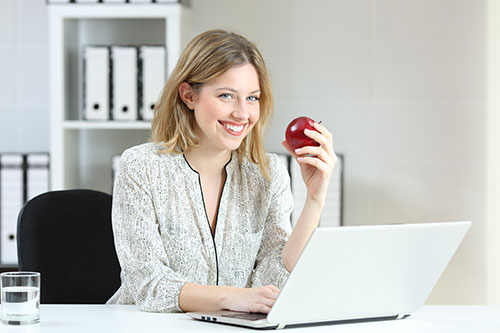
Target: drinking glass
20 298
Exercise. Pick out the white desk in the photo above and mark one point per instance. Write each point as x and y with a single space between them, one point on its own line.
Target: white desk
127 318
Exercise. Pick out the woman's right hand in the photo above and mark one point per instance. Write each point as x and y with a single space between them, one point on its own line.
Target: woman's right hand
258 299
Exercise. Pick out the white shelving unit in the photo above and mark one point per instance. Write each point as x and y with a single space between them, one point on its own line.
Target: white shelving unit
81 150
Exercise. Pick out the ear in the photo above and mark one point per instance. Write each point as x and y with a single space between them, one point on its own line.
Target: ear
187 95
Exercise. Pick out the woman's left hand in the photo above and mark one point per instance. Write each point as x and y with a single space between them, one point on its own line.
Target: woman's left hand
316 163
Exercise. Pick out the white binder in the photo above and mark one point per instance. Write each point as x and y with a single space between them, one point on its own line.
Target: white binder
11 195
37 175
124 83
96 83
152 60
332 212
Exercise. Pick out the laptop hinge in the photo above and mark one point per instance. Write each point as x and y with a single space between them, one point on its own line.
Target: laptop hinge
400 316
280 326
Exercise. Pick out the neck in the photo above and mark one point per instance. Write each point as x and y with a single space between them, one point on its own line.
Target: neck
207 162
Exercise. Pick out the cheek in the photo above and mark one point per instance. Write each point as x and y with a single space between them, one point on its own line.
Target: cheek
255 115
208 111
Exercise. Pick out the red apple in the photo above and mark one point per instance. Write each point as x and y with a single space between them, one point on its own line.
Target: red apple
295 136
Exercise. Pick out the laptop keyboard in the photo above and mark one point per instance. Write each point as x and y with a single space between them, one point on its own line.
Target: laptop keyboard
245 315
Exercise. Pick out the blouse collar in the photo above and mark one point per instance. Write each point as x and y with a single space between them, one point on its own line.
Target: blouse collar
229 166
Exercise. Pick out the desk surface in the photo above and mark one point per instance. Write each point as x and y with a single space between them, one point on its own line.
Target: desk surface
127 318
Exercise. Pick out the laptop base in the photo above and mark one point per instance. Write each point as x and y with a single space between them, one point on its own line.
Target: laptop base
270 326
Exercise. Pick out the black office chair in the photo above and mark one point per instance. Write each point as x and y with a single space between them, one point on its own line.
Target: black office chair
68 238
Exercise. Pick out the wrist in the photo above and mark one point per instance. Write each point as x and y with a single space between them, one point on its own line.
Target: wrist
225 297
315 202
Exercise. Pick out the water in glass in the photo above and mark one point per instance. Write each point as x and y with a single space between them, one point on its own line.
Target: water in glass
21 305
20 295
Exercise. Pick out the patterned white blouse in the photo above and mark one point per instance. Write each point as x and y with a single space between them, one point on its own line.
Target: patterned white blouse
162 234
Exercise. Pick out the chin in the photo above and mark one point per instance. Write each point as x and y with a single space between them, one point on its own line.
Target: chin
233 145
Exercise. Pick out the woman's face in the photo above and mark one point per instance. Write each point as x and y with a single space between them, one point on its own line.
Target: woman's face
227 108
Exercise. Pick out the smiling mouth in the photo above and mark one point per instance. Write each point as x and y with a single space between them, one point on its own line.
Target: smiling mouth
233 129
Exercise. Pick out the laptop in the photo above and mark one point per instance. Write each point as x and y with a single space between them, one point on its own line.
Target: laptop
359 273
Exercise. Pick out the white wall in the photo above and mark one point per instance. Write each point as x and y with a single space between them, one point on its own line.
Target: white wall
24 116
401 84
494 150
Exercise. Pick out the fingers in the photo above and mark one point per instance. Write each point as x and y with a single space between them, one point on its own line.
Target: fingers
274 289
322 136
319 152
323 130
270 291
317 163
261 309
317 157
322 157
266 299
257 299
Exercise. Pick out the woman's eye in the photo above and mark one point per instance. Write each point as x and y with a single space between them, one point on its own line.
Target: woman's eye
253 98
225 96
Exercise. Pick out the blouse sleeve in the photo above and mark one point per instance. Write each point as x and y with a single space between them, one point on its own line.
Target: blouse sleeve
269 267
146 271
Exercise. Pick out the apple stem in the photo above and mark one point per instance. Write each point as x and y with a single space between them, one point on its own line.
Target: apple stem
320 122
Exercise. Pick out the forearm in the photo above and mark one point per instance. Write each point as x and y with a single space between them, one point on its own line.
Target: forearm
196 297
307 222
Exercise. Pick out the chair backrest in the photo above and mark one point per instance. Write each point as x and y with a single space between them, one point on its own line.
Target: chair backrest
67 236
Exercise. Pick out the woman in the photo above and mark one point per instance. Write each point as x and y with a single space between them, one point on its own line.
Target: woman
201 216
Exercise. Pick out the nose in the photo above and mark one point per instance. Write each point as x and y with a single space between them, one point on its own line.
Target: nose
240 112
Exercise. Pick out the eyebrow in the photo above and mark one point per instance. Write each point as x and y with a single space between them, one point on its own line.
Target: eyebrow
235 91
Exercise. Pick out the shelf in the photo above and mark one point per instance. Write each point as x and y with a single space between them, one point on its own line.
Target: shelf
105 125
107 11
81 151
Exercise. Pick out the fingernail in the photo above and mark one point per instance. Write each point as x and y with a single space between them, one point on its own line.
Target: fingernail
300 159
298 150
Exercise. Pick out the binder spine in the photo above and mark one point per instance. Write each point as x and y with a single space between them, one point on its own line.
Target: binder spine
124 83
151 78
22 176
24 167
37 174
140 83
84 84
11 201
111 84
95 90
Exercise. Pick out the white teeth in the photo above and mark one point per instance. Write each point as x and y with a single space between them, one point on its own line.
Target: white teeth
234 128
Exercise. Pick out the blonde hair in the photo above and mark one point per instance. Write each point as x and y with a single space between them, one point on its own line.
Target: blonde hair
205 58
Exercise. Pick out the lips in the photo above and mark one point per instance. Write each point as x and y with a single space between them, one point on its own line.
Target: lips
233 128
